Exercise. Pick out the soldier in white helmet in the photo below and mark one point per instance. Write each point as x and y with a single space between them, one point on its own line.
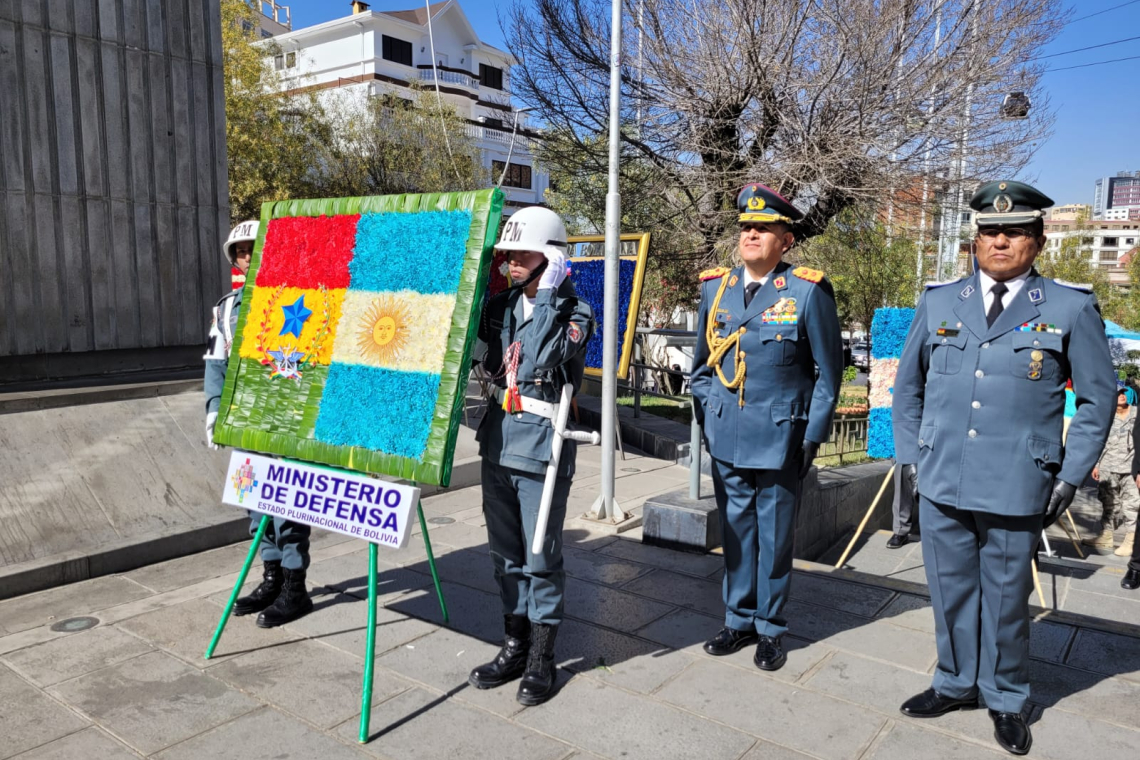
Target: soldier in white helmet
281 597
532 339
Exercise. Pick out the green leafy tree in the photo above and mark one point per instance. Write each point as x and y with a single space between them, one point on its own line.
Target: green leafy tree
390 144
579 183
868 267
269 136
1072 262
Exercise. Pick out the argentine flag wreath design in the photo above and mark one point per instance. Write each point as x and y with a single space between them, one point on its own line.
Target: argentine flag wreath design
357 323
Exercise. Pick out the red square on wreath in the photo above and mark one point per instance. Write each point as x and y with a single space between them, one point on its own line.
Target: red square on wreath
308 251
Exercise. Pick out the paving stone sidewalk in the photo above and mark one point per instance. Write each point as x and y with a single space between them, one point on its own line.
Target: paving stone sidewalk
634 681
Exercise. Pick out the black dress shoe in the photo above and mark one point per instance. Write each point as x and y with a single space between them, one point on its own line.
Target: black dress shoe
898 540
1011 732
931 704
1131 580
729 640
769 653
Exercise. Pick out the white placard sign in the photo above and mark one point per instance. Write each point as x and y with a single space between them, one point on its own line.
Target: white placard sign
343 502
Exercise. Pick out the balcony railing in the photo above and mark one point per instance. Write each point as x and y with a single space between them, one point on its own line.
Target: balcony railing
449 77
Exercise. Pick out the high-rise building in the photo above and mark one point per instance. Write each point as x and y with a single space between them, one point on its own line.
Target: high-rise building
1120 191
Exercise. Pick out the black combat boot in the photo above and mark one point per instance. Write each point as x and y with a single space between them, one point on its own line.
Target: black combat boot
537 684
265 594
510 662
293 602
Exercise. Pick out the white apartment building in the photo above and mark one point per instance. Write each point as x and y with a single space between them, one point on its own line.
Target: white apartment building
1069 212
1126 213
1104 241
384 51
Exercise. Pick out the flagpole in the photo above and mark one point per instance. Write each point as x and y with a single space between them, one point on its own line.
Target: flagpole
606 507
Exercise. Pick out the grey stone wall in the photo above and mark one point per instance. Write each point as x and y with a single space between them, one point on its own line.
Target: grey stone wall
835 500
113 189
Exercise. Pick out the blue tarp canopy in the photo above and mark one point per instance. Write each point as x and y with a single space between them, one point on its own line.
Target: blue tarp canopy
1116 332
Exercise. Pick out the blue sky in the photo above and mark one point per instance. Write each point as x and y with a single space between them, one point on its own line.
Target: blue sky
1097 131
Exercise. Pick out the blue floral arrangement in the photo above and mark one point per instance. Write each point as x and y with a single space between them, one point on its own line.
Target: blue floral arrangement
589 281
888 332
889 329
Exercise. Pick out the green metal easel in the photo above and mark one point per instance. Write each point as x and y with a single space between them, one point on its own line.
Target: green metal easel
366 696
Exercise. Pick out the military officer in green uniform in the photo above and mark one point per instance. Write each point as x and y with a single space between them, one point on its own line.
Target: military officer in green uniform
763 330
979 405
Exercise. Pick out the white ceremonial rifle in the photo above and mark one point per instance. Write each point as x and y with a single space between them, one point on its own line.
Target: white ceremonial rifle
560 434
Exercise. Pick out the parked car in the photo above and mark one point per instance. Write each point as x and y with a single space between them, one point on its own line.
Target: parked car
861 356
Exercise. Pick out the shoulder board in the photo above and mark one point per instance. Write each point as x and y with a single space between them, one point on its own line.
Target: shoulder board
811 275
712 274
1075 285
935 284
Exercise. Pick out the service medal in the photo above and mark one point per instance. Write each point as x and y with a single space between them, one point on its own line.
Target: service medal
1037 356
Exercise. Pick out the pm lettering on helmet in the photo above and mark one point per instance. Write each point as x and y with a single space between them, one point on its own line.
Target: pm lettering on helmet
247 229
513 231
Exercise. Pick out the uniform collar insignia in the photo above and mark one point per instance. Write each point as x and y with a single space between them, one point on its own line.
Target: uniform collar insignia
1036 295
780 282
966 291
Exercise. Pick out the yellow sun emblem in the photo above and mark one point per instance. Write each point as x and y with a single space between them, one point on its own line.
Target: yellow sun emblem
383 330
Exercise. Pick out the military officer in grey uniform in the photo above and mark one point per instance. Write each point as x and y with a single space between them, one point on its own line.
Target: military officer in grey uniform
532 339
978 412
281 597
763 329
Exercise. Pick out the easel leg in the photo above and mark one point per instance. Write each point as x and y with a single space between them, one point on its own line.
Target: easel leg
237 586
1037 584
866 517
369 649
431 564
1072 534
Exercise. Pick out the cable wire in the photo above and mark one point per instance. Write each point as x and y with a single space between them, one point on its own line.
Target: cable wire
1106 10
1095 63
438 97
1081 50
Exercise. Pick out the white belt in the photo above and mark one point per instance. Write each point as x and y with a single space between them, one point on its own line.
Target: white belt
530 405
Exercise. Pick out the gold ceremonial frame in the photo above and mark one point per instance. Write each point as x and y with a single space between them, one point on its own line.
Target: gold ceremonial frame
578 242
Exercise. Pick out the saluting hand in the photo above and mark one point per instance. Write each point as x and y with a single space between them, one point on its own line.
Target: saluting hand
1059 500
555 271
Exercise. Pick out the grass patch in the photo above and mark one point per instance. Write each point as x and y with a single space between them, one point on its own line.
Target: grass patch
678 411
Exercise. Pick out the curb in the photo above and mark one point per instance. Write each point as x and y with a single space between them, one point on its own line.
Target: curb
120 557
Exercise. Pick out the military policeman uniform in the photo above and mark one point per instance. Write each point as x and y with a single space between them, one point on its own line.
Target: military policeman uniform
764 412
532 348
281 596
979 404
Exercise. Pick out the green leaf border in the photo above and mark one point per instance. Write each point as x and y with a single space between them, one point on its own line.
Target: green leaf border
486 207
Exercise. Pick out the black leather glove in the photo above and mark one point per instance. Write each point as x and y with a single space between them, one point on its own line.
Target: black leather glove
808 453
1059 501
910 480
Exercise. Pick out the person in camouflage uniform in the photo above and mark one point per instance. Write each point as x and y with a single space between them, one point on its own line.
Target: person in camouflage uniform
1118 494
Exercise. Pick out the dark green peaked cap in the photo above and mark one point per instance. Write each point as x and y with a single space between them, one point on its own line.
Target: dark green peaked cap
1006 203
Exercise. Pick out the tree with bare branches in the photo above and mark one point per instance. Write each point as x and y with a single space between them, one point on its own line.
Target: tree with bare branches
833 103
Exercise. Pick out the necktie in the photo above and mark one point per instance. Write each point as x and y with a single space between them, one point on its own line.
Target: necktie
999 289
750 292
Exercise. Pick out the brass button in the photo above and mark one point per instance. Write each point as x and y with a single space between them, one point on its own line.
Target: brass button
779 337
